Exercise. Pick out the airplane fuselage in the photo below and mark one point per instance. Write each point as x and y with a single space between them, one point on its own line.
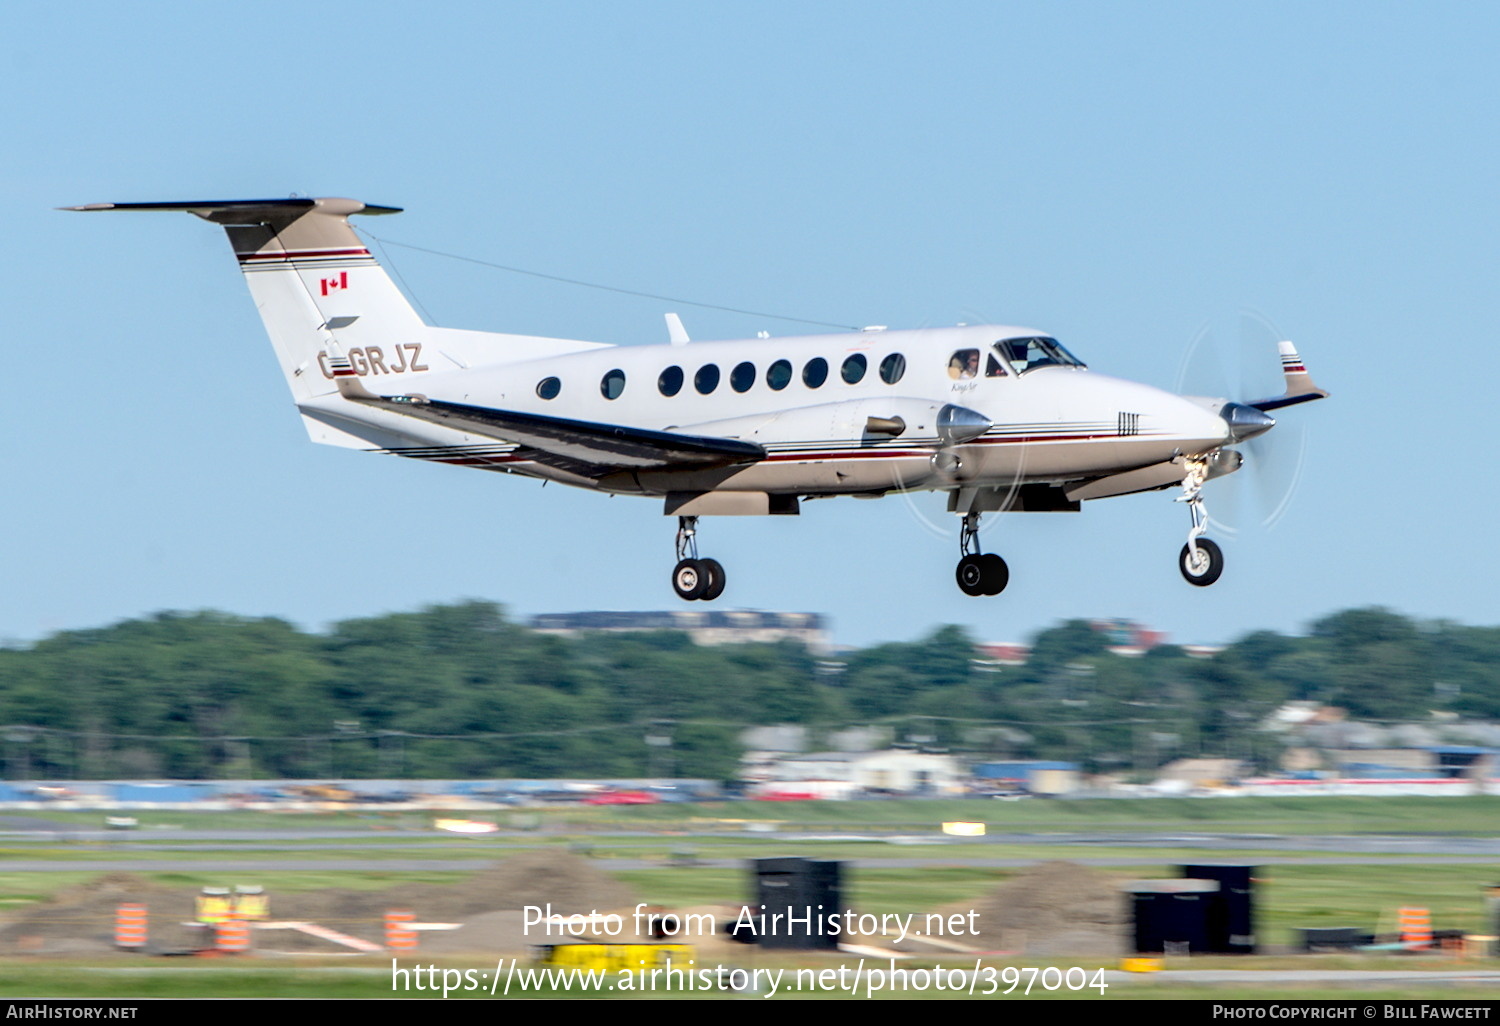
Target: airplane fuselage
794 396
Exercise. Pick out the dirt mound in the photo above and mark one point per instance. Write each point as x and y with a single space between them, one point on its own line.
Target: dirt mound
111 887
570 883
80 919
500 932
1054 908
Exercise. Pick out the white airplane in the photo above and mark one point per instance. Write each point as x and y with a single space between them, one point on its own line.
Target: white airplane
1000 418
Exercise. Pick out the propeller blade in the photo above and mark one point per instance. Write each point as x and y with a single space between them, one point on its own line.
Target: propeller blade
1259 494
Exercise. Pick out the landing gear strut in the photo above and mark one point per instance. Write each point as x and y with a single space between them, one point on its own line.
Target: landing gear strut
1200 561
978 573
695 578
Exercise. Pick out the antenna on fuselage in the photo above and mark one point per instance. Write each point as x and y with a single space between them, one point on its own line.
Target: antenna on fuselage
675 331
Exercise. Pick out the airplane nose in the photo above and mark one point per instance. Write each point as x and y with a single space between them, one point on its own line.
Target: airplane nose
1245 421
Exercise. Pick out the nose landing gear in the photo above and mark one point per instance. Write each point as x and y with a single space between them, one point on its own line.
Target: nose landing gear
695 578
1201 560
978 573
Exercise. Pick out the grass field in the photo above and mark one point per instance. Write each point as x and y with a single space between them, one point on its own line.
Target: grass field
1290 896
1469 815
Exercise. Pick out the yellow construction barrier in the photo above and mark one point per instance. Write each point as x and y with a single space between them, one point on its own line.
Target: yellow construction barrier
251 903
959 829
612 958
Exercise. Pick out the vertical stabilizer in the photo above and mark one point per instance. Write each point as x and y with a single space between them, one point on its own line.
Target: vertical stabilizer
314 282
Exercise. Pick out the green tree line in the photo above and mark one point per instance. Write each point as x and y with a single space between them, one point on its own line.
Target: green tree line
463 691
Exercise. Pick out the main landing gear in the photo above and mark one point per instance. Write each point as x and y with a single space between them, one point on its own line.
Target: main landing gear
1200 561
695 578
978 573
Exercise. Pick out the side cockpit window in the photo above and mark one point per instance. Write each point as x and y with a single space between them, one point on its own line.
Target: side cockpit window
963 364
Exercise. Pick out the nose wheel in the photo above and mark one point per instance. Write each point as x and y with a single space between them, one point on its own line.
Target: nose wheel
1201 560
1201 564
978 573
694 578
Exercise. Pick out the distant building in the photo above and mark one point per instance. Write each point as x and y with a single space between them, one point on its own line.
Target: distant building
707 627
1434 762
1187 774
779 739
1124 638
842 774
1128 638
1006 653
1034 776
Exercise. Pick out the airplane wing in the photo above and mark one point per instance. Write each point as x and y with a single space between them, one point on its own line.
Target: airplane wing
577 446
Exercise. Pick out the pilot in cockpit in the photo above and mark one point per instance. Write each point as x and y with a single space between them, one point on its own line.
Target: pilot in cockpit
964 364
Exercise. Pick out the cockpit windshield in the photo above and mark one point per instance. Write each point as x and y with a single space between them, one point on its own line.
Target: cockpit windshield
1027 354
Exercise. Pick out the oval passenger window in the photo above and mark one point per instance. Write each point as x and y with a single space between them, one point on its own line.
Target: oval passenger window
742 377
779 375
612 384
815 373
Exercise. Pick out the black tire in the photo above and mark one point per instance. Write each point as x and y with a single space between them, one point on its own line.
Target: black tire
970 575
716 579
689 579
1209 566
994 574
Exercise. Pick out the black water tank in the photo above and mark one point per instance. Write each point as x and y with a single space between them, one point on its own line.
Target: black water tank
804 893
1231 912
1171 916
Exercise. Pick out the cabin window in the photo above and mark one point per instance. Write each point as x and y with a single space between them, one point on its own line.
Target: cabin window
892 368
670 382
742 377
963 364
612 384
854 369
707 378
548 388
779 375
815 372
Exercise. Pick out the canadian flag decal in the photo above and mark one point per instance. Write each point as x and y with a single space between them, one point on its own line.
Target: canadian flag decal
334 284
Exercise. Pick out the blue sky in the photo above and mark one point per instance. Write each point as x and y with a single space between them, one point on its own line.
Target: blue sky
1117 174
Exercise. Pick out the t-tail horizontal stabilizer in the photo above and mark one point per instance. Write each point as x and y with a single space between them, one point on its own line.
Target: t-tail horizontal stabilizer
1299 384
